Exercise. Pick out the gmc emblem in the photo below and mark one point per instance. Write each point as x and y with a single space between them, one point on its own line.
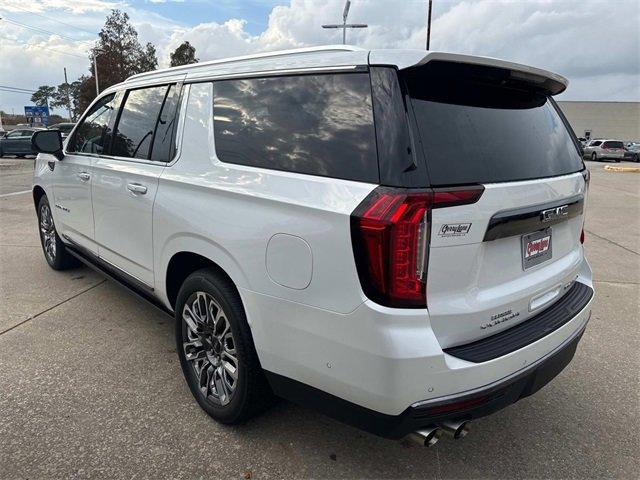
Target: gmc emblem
554 213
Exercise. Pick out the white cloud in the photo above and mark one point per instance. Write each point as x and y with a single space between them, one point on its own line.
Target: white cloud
596 44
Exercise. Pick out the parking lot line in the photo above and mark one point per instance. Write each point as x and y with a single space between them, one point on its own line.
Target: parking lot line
14 193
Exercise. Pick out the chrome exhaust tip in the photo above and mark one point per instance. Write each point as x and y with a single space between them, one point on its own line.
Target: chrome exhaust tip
427 437
456 429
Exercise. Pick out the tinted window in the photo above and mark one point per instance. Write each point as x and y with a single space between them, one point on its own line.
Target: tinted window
64 128
474 131
613 145
399 165
92 134
315 124
134 132
163 139
595 144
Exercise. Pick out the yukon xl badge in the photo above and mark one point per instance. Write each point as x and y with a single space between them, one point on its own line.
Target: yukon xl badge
454 229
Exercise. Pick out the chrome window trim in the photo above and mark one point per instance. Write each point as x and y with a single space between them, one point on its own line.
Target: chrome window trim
275 73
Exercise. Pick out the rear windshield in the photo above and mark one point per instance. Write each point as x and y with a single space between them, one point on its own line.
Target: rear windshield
612 145
476 130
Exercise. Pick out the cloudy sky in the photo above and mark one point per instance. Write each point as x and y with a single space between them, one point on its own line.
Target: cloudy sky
596 44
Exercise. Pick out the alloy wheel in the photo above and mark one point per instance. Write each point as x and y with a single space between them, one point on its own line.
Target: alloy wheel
210 348
48 232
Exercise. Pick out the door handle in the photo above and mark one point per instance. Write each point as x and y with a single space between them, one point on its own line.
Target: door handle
84 176
136 188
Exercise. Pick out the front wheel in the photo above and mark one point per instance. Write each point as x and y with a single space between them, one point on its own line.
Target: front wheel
216 350
54 250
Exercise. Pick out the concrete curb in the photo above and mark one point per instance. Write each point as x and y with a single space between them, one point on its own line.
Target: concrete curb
611 168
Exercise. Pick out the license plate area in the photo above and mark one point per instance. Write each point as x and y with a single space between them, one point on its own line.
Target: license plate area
536 248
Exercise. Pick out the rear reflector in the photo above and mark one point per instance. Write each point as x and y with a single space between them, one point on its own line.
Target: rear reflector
390 232
458 406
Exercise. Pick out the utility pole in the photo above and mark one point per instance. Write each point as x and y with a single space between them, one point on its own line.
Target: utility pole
66 82
344 25
95 73
429 26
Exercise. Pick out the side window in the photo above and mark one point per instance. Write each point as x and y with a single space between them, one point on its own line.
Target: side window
92 134
162 150
14 134
314 124
595 144
134 132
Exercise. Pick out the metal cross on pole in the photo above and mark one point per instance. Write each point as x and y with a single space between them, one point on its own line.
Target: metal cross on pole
344 25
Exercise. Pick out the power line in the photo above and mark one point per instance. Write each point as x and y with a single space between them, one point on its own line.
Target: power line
53 20
44 48
2 89
38 29
17 88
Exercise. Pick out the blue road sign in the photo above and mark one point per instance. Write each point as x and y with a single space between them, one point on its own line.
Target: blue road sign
36 116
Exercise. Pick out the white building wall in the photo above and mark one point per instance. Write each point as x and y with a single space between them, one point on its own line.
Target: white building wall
615 120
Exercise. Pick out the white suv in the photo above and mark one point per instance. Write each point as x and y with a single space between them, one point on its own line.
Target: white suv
392 237
604 149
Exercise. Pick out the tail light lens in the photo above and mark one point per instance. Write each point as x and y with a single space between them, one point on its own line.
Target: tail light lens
390 232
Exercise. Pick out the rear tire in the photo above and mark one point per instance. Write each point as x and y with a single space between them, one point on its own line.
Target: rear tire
54 250
216 349
594 157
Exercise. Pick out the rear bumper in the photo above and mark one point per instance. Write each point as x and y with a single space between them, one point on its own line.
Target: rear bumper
387 365
468 406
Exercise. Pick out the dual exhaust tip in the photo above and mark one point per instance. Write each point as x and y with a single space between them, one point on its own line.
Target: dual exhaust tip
428 437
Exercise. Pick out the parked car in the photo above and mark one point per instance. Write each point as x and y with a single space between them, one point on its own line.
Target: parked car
17 142
583 141
632 152
317 238
588 149
65 128
606 150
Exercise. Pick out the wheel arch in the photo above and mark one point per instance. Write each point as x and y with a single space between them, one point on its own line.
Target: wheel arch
184 263
38 192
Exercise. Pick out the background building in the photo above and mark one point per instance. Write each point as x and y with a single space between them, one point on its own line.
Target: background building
616 120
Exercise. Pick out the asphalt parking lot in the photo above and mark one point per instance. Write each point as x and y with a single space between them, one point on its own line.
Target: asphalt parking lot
90 385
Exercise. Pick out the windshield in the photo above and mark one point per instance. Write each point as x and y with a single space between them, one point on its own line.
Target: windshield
476 131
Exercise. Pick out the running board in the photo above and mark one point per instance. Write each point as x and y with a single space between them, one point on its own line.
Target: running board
130 283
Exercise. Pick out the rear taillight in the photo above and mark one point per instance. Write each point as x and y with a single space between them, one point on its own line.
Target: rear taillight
390 232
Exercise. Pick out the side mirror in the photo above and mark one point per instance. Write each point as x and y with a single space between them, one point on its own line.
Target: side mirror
48 141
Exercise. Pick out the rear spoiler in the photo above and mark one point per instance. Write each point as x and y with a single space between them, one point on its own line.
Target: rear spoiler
548 82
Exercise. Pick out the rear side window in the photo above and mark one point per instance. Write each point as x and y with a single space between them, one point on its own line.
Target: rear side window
595 144
474 130
93 133
613 145
163 144
313 124
134 132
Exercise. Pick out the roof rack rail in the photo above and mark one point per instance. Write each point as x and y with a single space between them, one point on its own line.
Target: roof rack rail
255 56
